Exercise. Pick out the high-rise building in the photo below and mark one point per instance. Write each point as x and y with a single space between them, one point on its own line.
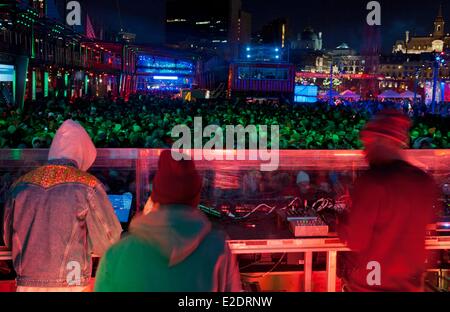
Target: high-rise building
199 25
275 32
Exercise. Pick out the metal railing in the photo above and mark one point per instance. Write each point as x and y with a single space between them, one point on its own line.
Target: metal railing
308 246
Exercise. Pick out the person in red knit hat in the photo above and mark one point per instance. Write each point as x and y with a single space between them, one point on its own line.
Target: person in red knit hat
171 246
392 203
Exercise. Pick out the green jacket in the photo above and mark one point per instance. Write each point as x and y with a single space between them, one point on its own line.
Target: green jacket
171 250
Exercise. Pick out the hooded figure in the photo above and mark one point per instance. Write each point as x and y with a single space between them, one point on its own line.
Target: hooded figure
72 142
392 203
58 215
172 246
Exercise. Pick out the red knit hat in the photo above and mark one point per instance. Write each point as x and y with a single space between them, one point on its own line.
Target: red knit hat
176 182
390 124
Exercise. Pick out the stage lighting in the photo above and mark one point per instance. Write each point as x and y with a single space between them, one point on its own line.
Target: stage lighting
165 77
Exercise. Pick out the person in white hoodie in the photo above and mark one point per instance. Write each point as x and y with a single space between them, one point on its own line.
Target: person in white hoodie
57 216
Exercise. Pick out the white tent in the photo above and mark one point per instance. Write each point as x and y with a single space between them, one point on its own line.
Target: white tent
389 94
348 94
409 95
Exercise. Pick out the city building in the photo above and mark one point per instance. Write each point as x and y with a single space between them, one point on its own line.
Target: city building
437 41
403 71
308 40
200 26
275 33
347 60
41 56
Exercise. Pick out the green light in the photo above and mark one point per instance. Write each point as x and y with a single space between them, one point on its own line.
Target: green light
14 86
33 85
16 154
45 84
86 84
66 83
33 52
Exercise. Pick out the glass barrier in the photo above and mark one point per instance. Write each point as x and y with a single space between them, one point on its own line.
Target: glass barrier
252 206
241 198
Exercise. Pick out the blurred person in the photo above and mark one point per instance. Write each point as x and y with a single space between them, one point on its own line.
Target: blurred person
392 203
252 183
171 246
58 215
307 192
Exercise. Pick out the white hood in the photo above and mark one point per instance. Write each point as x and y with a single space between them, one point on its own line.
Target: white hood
73 142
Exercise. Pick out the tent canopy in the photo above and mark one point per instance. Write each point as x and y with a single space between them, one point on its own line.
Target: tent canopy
348 94
389 94
409 95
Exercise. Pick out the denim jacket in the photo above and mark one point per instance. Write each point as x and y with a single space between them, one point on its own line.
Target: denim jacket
56 217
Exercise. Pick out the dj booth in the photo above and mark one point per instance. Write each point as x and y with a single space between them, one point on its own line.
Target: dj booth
281 223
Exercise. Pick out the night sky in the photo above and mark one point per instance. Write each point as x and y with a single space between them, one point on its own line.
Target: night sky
339 20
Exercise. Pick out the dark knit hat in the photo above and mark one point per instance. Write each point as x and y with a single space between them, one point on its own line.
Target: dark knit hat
176 182
391 124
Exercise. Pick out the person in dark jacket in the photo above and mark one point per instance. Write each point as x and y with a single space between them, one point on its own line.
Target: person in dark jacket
392 203
57 216
171 246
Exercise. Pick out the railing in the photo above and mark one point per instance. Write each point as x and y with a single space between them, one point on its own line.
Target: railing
331 246
144 162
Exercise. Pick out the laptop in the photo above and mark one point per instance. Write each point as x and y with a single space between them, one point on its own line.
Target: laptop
122 205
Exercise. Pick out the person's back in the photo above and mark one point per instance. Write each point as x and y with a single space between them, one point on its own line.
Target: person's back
57 215
171 246
172 250
392 207
392 203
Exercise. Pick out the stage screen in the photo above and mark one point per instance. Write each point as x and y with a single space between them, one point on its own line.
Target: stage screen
306 94
6 73
157 65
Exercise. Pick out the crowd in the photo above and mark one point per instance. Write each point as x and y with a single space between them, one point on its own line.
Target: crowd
147 122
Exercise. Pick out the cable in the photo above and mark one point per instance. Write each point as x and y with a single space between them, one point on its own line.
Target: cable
249 265
253 211
268 272
272 209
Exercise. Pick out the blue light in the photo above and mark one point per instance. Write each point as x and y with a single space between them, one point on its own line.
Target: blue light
276 50
165 77
249 56
277 57
248 49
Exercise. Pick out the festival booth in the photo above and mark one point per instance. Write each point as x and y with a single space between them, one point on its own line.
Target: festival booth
389 95
325 94
409 95
350 95
258 209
